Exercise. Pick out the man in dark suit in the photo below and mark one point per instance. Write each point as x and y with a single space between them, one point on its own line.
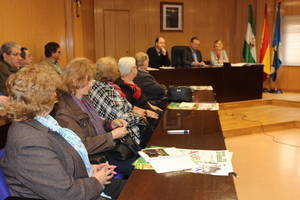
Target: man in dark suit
191 55
158 55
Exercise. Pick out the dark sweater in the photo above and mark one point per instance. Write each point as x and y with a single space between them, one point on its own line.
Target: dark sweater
156 60
150 87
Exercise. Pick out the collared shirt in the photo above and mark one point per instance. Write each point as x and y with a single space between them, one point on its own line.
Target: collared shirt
110 105
158 51
143 70
194 55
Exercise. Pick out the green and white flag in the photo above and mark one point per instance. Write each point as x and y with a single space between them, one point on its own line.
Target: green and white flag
249 49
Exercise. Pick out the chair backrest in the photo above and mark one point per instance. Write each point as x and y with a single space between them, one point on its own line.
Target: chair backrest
4 191
177 55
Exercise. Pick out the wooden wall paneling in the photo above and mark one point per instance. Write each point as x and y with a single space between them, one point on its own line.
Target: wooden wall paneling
88 29
122 37
109 38
116 33
78 31
288 78
69 29
33 23
99 6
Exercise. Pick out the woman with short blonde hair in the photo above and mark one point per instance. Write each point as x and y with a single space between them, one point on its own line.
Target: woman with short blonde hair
107 69
31 95
218 55
77 73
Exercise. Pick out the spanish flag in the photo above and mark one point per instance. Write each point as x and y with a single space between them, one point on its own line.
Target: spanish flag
265 54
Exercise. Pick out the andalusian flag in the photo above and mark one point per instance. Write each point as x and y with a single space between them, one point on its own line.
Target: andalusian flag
265 56
275 44
249 50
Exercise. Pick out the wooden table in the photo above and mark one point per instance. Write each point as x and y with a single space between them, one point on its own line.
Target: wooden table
205 133
230 84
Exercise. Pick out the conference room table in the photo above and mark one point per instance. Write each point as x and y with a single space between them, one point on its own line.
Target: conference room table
229 83
205 134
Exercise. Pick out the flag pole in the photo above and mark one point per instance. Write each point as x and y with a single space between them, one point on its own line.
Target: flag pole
275 44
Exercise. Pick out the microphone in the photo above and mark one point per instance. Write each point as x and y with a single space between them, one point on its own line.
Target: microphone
218 54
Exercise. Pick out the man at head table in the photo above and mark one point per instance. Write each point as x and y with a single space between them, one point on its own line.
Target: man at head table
192 55
158 55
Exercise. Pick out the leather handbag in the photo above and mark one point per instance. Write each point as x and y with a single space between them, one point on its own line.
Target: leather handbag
124 149
180 94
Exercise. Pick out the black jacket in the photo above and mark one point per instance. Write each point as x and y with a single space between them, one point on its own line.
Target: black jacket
156 60
188 58
150 87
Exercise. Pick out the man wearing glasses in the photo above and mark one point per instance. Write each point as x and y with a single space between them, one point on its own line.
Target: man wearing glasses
10 62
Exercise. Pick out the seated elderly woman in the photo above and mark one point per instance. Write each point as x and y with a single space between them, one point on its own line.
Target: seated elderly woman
155 92
42 159
132 92
106 97
74 111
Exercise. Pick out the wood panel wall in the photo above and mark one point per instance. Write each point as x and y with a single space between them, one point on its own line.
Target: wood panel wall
33 23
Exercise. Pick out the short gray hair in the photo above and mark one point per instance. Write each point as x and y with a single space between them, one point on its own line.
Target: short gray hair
126 64
140 58
7 46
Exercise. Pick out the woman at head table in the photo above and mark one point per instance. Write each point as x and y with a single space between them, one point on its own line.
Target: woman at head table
42 159
218 55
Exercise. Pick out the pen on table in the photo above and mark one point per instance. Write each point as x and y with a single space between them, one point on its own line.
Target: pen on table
178 131
233 174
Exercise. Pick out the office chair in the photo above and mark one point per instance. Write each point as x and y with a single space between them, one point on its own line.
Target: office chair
177 55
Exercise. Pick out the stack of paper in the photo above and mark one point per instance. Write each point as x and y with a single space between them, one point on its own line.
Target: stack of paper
187 160
152 69
199 87
211 162
166 67
167 159
193 106
202 87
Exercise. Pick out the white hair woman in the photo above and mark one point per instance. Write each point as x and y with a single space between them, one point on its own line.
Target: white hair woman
132 92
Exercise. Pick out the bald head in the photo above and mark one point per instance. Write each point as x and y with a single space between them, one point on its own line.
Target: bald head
160 43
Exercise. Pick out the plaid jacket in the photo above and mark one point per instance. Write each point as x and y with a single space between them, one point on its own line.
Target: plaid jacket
110 105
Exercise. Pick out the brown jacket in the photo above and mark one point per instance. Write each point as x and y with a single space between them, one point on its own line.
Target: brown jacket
69 115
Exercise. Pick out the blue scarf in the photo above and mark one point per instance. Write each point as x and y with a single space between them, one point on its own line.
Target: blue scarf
72 138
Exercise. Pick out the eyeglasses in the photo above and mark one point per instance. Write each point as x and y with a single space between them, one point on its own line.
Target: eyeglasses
15 54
